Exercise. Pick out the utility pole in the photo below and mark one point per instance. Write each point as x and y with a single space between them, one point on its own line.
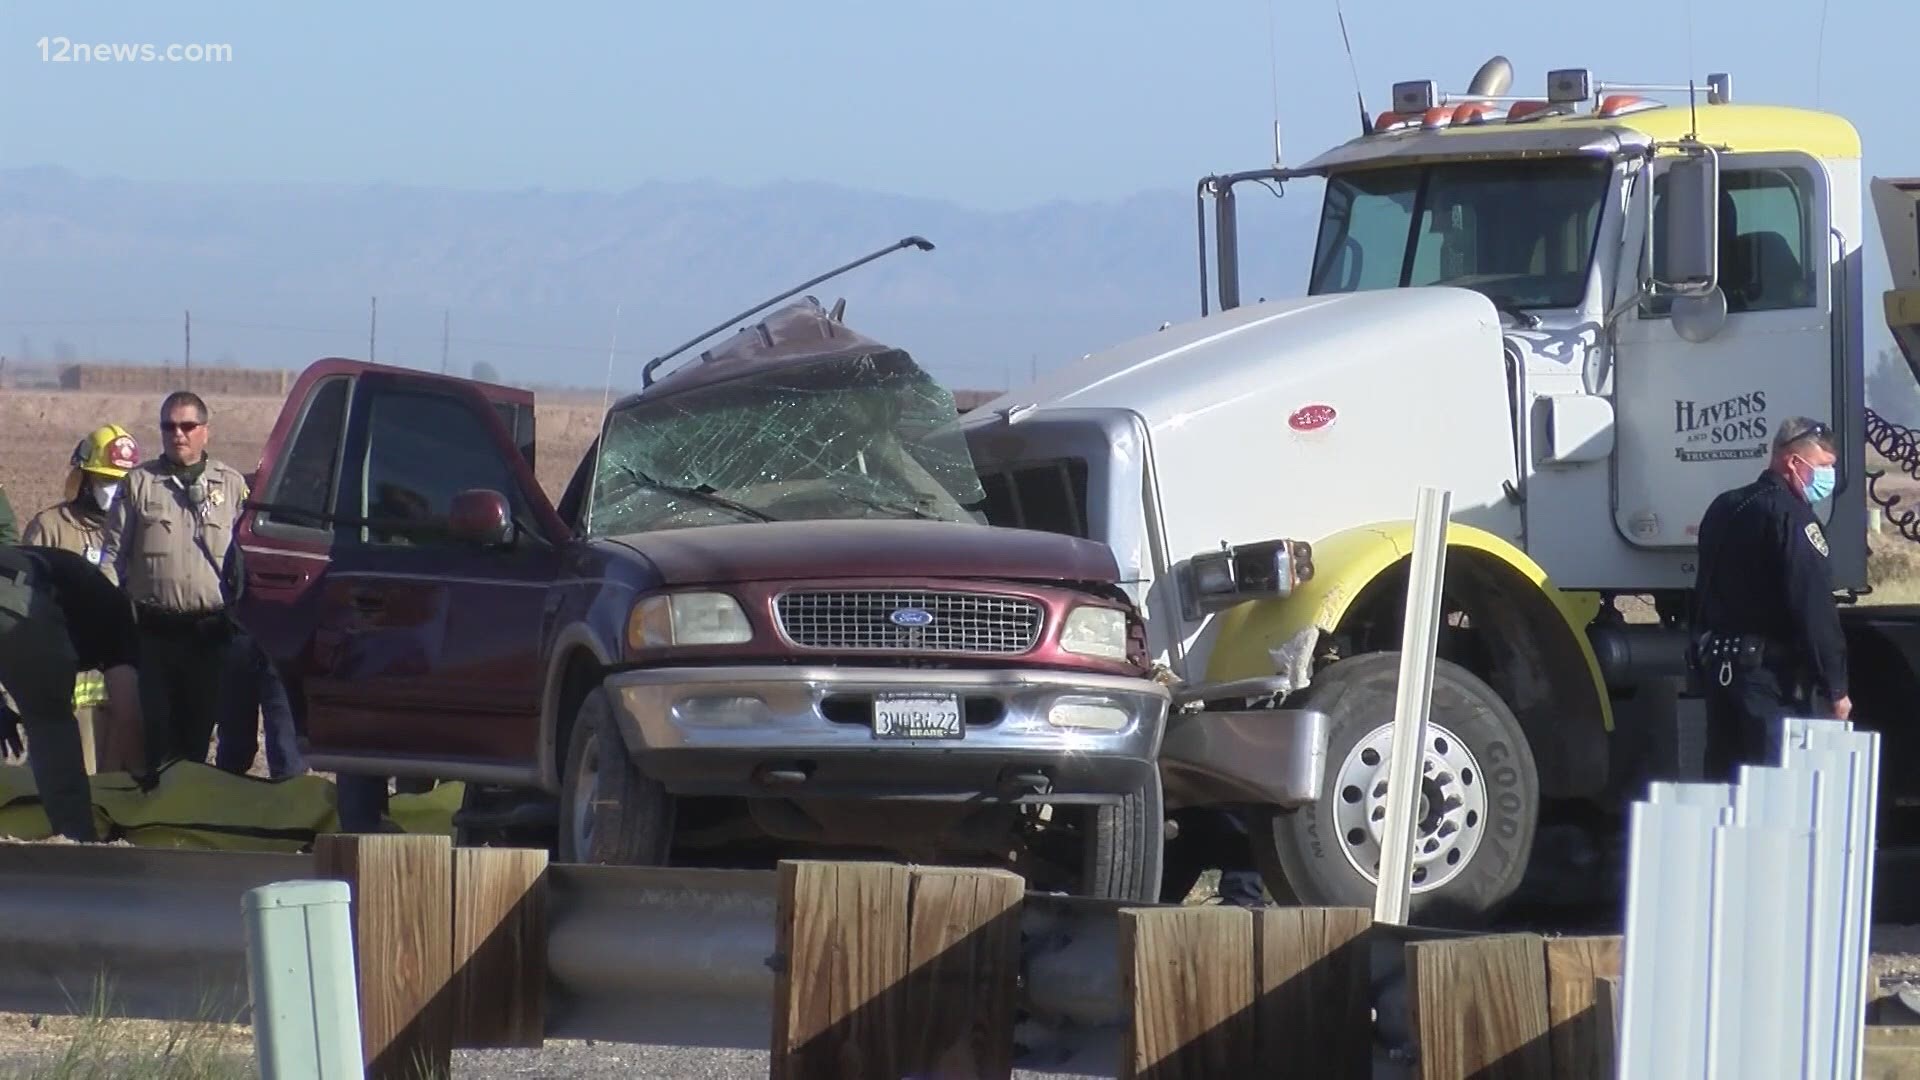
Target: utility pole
446 324
373 324
189 377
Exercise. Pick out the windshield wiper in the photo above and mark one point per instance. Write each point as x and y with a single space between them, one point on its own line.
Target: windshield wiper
1506 307
900 506
707 496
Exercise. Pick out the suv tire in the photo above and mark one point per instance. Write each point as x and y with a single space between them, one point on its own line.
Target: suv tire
1480 794
1123 846
610 812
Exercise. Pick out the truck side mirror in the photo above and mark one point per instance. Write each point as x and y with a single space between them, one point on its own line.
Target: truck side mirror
1689 241
481 517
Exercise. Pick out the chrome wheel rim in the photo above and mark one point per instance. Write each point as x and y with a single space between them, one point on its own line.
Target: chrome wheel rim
1449 821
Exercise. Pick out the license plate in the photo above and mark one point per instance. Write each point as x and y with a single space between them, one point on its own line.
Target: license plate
917 716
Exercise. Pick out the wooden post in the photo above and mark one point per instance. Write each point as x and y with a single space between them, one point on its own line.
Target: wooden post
1315 1013
1480 1007
1606 1008
499 947
1583 1044
1187 975
840 938
963 961
403 946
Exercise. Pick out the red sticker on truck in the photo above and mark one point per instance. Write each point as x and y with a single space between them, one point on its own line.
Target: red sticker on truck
1311 417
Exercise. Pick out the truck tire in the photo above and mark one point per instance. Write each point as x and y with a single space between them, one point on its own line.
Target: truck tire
1479 806
610 812
1123 846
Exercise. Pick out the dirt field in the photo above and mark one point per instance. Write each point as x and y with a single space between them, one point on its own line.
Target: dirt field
38 430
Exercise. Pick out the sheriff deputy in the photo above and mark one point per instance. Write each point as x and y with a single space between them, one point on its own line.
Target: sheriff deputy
1765 628
168 543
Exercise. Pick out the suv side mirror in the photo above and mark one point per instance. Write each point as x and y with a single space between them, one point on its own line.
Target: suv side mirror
481 517
1689 242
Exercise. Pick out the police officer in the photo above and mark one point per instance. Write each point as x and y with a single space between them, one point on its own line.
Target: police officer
60 615
1766 630
168 544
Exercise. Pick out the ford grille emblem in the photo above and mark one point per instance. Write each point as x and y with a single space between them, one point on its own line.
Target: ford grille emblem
911 617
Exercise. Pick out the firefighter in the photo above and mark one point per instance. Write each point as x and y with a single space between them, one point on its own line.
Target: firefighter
60 615
1765 628
95 475
168 543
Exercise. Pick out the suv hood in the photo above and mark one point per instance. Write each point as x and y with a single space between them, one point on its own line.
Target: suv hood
784 550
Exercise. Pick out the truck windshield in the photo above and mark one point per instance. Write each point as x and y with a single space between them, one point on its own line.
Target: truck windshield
863 437
1520 232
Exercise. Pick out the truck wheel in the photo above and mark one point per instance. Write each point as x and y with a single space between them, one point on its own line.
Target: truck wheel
610 812
1123 847
1479 802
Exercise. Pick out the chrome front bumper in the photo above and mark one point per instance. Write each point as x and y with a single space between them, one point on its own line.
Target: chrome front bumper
807 731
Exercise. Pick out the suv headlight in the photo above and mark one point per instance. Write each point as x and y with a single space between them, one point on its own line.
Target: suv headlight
1095 631
688 618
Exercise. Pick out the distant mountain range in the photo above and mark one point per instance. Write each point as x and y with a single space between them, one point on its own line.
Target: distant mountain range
529 281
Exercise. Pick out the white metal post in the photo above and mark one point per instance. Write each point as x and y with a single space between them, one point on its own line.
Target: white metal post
300 975
1420 639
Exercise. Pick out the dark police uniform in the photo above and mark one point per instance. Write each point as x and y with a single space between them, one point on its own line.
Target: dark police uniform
1766 632
59 615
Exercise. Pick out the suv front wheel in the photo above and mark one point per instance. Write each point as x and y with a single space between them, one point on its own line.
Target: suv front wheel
610 812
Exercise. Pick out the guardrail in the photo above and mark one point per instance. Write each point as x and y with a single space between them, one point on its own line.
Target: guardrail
620 954
818 963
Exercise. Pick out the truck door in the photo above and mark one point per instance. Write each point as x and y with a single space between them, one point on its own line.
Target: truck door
1697 418
433 644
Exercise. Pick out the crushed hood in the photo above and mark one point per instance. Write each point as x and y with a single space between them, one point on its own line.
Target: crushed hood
776 551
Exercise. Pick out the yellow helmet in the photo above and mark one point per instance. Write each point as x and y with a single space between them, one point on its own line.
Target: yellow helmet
107 451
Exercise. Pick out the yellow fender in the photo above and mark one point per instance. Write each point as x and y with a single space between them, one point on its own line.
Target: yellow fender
1344 563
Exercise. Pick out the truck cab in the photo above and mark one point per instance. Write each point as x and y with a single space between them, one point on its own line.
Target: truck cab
1583 312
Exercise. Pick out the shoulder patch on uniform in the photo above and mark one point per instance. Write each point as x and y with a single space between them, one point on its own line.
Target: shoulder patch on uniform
1817 538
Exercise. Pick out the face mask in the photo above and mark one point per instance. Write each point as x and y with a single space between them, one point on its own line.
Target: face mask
105 493
1821 484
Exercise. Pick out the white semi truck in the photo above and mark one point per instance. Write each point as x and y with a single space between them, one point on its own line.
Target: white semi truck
1582 312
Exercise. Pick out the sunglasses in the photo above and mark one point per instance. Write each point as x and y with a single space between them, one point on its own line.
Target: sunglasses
184 427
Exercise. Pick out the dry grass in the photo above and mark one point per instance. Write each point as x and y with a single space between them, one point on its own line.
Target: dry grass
97 1045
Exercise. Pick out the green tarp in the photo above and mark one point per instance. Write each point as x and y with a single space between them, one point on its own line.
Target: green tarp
200 807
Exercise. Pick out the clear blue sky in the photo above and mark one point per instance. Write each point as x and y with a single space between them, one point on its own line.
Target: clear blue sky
992 104
989 103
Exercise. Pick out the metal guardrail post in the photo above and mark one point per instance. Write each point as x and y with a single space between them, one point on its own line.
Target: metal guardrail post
1419 644
1747 915
306 1011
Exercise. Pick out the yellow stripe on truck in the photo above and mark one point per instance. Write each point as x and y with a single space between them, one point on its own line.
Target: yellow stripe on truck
1344 564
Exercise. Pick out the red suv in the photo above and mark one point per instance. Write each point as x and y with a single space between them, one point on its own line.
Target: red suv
765 616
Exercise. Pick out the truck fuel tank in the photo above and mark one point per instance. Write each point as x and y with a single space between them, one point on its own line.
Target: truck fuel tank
1630 654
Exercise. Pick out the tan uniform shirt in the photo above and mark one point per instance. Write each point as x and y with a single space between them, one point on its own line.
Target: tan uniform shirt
60 527
163 551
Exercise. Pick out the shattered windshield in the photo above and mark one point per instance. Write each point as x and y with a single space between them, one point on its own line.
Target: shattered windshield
1522 233
866 436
